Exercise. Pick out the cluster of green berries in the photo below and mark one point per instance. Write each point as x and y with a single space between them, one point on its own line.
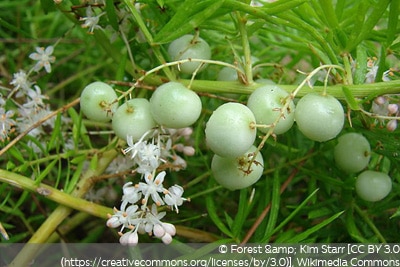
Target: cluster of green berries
232 128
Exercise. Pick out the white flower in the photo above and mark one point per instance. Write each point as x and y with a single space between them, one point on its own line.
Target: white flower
146 156
386 75
131 195
6 123
373 71
36 98
20 81
31 116
44 58
124 218
152 187
152 219
179 163
132 147
174 198
393 109
91 21
371 74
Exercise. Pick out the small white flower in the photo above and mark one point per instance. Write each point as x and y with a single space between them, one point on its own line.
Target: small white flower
119 218
36 98
174 198
146 156
20 81
373 71
132 147
179 163
158 231
187 150
131 195
44 58
6 123
152 188
124 218
386 75
153 221
91 21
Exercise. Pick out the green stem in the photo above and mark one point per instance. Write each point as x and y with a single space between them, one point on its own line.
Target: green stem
359 91
369 222
347 66
248 69
61 212
55 195
207 86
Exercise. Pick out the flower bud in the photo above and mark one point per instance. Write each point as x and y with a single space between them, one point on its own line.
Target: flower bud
167 239
380 100
129 238
391 125
158 231
393 108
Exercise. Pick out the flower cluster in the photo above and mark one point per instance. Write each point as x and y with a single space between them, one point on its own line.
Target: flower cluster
30 104
372 70
159 146
34 107
386 106
155 150
146 219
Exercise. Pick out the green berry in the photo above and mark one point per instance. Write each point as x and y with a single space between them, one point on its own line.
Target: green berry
266 102
319 117
373 186
186 47
230 131
174 106
352 152
96 102
133 118
234 173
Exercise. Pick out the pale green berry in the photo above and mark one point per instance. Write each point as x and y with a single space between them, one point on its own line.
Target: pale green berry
234 173
319 117
188 47
97 102
352 152
230 131
174 106
267 102
133 118
373 186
